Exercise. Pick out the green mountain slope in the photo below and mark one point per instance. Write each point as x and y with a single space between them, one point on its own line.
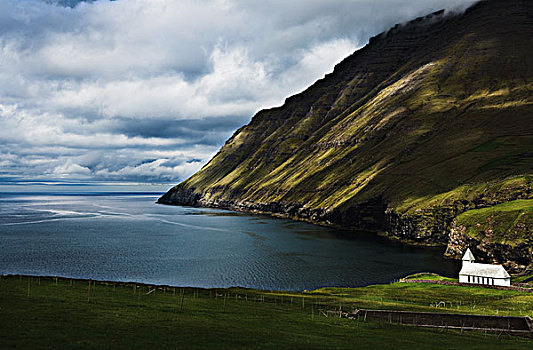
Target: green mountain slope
429 120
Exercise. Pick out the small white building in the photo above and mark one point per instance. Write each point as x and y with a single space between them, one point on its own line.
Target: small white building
491 275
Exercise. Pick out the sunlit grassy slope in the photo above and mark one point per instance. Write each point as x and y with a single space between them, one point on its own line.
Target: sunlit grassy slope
431 118
504 222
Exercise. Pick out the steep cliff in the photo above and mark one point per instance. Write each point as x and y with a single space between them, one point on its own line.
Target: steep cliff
431 119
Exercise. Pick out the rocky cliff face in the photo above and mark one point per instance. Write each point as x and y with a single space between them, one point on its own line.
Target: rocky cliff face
429 120
515 257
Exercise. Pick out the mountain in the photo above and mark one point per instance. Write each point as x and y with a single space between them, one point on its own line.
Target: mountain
425 134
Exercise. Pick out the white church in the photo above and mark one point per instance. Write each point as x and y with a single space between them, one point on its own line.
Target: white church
492 275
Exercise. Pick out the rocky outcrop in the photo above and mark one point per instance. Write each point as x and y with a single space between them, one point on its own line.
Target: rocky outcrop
428 226
516 258
368 215
185 196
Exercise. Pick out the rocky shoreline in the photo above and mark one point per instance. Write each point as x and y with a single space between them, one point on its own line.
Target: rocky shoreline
431 227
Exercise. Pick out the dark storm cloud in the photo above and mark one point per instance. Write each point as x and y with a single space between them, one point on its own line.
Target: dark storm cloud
147 91
204 131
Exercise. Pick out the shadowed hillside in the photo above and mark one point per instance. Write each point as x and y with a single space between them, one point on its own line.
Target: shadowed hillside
430 120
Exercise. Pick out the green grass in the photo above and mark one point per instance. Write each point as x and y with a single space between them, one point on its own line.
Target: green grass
424 297
494 191
429 276
527 278
505 223
40 313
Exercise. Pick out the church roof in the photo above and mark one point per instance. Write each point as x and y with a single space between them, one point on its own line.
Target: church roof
484 270
468 255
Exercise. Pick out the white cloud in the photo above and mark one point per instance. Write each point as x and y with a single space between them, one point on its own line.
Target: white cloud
157 169
69 169
152 82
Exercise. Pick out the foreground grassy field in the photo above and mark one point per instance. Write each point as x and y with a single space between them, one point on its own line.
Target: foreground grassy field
45 313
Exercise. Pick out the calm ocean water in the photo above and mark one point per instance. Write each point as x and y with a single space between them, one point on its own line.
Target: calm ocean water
130 238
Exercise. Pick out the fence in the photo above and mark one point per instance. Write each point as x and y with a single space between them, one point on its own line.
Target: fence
509 324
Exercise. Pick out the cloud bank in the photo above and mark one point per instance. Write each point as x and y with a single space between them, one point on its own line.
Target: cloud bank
148 90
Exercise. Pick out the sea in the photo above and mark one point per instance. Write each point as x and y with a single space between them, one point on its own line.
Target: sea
128 237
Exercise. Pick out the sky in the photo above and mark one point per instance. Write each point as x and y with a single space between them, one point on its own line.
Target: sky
137 95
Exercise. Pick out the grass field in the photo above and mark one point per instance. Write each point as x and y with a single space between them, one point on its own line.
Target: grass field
45 313
507 222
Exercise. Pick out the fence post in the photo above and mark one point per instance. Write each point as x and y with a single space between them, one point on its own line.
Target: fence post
225 297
